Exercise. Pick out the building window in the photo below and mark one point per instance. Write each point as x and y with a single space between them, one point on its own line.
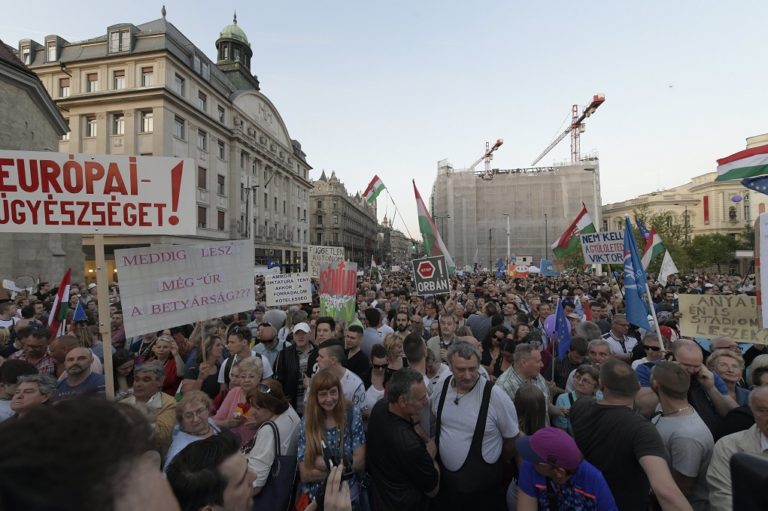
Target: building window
237 54
221 219
92 82
319 204
119 40
147 76
335 219
118 124
26 55
206 71
220 185
147 122
284 210
202 178
202 217
732 213
51 53
179 84
319 238
335 237
196 63
64 87
320 220
224 52
222 150
118 80
221 114
275 204
266 200
202 101
202 140
65 136
90 126
304 217
179 127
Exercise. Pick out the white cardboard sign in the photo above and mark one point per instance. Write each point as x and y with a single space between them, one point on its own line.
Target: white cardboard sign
603 247
320 256
288 289
163 286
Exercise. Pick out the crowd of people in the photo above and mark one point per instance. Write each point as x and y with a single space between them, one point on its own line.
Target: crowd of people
458 401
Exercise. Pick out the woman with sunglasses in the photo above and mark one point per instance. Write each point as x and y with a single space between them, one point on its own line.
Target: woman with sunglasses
331 434
276 418
491 358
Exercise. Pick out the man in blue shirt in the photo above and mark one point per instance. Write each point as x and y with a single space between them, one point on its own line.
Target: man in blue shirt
80 380
554 476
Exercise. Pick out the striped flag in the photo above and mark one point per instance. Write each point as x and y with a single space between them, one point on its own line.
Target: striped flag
747 163
375 187
569 242
57 321
433 242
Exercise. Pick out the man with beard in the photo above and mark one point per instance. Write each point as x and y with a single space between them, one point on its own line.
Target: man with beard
402 324
439 344
80 379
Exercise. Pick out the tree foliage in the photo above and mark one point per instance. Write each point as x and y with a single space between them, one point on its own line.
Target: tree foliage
672 229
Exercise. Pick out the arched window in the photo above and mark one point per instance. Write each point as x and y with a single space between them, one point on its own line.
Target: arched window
732 213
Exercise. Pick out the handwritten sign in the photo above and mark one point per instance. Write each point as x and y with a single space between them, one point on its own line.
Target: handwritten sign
337 287
603 247
320 256
288 289
711 316
48 192
163 286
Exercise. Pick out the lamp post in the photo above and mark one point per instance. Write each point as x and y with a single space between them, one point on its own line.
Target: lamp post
508 253
490 248
546 238
685 223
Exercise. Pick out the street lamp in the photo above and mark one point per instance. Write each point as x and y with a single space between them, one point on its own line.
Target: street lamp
546 238
508 254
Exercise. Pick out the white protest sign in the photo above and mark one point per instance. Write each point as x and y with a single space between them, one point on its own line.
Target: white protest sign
103 194
712 316
395 268
169 285
320 256
603 247
288 289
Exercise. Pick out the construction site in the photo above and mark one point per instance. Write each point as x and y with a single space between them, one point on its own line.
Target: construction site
490 214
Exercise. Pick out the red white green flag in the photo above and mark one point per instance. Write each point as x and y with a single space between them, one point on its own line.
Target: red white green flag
653 247
568 242
57 321
747 163
433 242
375 187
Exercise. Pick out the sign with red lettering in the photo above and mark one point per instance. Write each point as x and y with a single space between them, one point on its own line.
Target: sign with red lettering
337 287
163 286
96 194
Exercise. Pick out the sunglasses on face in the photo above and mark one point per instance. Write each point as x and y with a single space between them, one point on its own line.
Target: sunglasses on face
652 348
382 366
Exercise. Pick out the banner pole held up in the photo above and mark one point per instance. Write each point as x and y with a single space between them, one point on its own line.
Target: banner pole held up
105 321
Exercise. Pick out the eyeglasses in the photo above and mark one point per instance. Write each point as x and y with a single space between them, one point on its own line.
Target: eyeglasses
382 366
264 388
652 348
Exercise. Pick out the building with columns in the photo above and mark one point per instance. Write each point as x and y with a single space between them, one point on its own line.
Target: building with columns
148 90
342 220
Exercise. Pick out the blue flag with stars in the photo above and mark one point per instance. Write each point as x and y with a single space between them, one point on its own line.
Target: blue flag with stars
643 231
562 331
758 183
79 314
635 281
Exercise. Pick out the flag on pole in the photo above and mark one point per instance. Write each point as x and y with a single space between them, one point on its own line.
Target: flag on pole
57 321
644 232
375 187
569 242
653 247
375 270
635 281
667 268
562 331
79 314
747 163
758 184
433 242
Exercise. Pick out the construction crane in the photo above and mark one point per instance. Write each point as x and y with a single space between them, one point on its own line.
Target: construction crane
487 156
575 129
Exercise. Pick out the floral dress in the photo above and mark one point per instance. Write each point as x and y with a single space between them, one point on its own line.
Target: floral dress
354 438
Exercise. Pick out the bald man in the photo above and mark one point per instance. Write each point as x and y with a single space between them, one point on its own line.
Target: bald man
80 379
59 349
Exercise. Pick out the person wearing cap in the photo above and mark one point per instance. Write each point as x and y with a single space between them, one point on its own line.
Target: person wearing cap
554 476
624 445
291 365
686 437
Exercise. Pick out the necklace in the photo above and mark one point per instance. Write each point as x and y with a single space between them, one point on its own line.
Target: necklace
458 397
676 411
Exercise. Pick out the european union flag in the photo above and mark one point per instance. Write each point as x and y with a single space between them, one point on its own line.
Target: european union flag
645 233
562 331
635 281
758 183
79 314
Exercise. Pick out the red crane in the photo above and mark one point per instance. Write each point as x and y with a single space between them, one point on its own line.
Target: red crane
575 129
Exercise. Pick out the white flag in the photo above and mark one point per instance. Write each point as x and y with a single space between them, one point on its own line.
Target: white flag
667 268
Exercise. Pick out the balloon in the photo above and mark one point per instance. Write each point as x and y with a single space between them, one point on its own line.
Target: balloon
549 325
737 198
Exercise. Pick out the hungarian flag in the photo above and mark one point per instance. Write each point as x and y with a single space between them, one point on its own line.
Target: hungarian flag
375 187
747 163
433 243
375 270
653 247
569 240
57 321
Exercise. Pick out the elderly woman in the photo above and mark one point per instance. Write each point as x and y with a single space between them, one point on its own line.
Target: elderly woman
586 380
729 366
33 391
234 410
277 436
194 416
161 408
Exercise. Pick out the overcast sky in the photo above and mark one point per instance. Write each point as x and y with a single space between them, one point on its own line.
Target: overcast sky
393 86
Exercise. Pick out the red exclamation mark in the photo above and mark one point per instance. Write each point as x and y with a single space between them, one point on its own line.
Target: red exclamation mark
175 191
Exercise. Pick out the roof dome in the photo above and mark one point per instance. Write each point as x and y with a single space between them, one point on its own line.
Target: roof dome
233 31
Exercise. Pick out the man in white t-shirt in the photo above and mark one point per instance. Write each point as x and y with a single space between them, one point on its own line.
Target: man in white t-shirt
239 346
621 344
475 432
331 356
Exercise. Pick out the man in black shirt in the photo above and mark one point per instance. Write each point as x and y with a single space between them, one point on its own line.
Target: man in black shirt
400 456
357 362
623 445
